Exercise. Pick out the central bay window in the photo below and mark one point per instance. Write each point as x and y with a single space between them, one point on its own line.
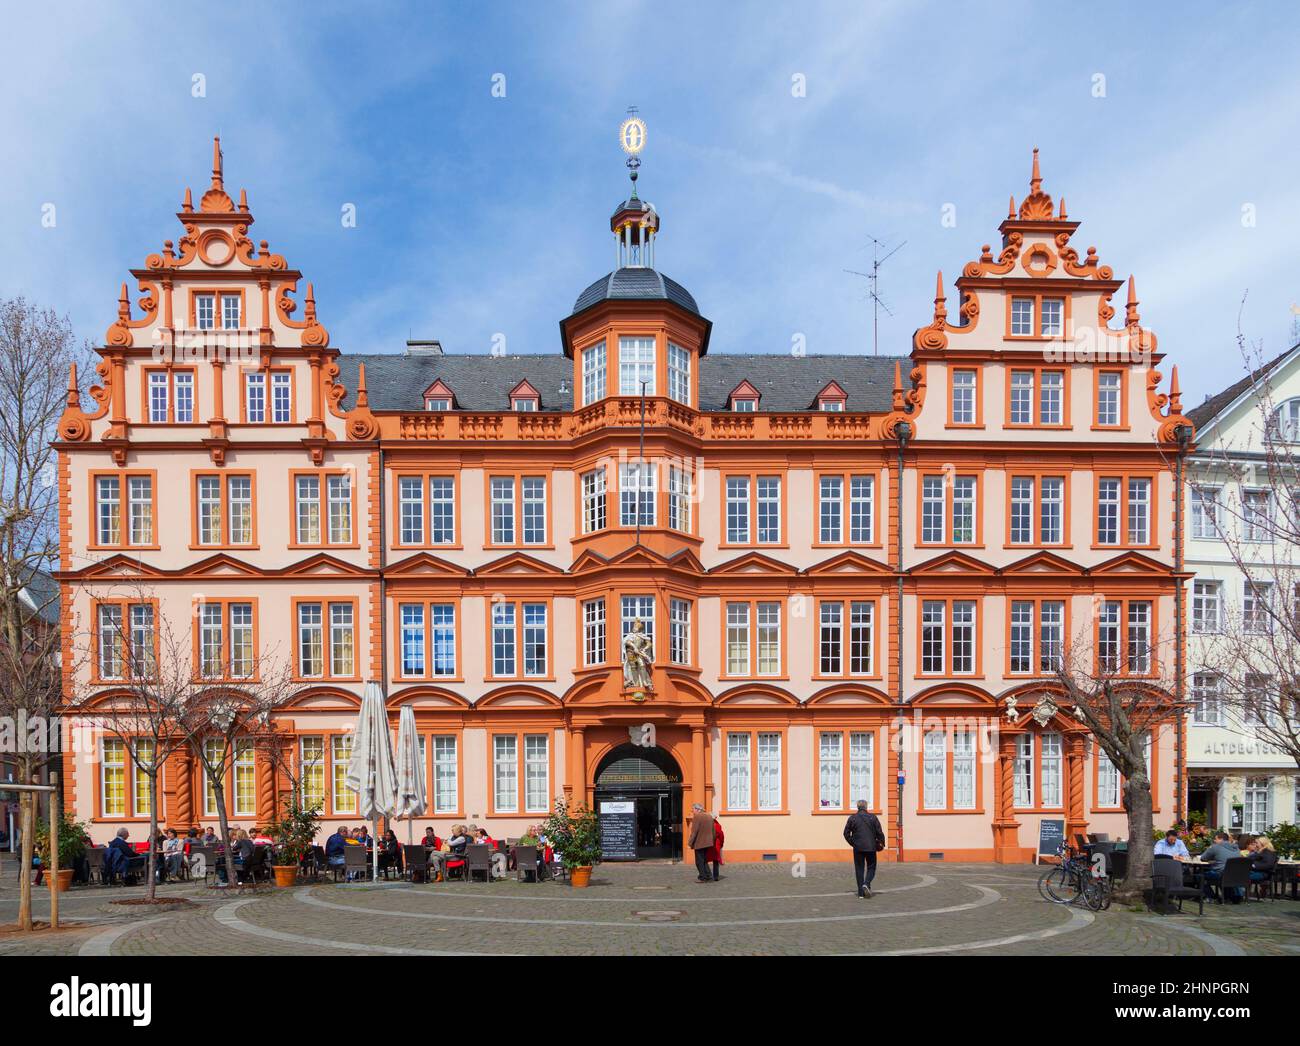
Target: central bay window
595 504
1124 636
949 510
426 510
679 374
846 510
1038 781
271 401
1124 511
1037 510
949 770
753 639
520 639
636 365
521 757
838 750
963 405
137 489
1036 398
632 610
170 396
753 510
427 640
594 642
840 654
326 640
593 374
1047 617
224 510
226 639
518 510
637 484
323 508
948 637
754 772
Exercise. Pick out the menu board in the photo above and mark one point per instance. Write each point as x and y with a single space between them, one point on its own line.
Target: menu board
617 831
1051 834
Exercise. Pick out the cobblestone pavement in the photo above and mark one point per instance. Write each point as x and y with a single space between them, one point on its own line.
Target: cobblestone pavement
759 909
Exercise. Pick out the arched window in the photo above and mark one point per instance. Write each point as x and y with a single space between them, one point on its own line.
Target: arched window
1286 421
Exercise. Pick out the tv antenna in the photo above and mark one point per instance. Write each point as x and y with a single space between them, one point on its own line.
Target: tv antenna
873 287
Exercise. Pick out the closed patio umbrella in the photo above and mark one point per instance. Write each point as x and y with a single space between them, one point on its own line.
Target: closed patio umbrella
411 796
371 773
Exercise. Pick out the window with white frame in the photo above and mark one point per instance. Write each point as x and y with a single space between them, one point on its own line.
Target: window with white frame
737 639
1255 803
963 510
1051 393
1206 705
502 490
964 384
1286 421
342 796
679 499
1022 397
537 774
862 509
593 374
963 770
830 509
679 631
1256 515
338 491
1108 498
1256 607
446 774
1110 386
159 396
1139 637
830 770
1049 768
737 510
634 609
769 770
679 374
1139 511
1107 782
637 484
934 770
1024 771
593 632
636 366
738 770
205 311
932 509
230 312
1206 512
831 779
307 509
311 772
1022 316
1052 315
505 773
594 500
1207 606
963 637
933 613
860 639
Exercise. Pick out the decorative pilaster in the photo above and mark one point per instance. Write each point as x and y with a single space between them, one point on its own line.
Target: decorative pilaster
1006 829
1076 822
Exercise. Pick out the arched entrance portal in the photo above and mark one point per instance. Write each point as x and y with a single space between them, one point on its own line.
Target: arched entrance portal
650 780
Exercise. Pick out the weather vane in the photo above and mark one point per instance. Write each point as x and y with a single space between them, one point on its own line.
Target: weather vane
631 136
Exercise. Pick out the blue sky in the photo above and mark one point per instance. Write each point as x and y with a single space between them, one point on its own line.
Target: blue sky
479 216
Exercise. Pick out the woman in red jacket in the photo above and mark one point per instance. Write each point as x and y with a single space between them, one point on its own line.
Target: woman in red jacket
715 851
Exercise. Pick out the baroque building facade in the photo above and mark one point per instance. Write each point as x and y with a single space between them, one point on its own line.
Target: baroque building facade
854 573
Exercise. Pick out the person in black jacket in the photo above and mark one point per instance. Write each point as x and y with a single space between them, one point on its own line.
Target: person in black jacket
862 831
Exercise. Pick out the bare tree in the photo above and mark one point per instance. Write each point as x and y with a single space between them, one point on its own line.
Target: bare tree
37 352
1117 690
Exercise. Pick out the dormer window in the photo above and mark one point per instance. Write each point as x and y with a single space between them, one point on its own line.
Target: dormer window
743 399
832 398
1036 316
439 397
523 397
212 310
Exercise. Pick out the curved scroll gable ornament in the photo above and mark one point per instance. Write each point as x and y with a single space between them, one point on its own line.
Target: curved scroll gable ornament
359 423
313 334
1089 269
935 336
906 404
119 335
74 423
1006 260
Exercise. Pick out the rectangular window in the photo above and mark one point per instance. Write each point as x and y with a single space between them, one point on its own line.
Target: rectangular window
1107 782
593 632
505 776
307 511
964 411
140 509
679 639
503 510
830 770
637 487
738 780
281 397
503 639
1205 513
1139 511
593 374
244 780
934 771
1049 770
932 636
1050 396
1022 637
411 616
1256 607
239 497
831 510
963 510
1024 771
241 640
1051 635
205 307
442 510
737 639
932 510
963 637
738 510
945 499
679 374
1022 510
535 662
446 774
1022 317
342 639
1051 515
1022 397
679 499
230 312
159 394
862 509
1256 818
769 771
861 637
594 502
1256 515
831 639
537 774
1110 385
1139 637
1108 496
636 365
768 639
410 510
1206 708
311 772
1206 606
112 769
211 640
963 770
311 641
533 489
208 496
143 754
344 799
442 638
110 641
183 386
255 398
768 496
1053 317
862 768
339 494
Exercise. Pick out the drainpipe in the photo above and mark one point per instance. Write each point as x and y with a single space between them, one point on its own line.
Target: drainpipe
1183 434
383 582
904 433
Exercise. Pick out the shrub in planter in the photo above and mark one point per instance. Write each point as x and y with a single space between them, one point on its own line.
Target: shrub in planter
72 845
574 834
294 835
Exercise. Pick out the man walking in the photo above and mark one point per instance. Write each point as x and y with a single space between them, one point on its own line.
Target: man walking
862 831
701 841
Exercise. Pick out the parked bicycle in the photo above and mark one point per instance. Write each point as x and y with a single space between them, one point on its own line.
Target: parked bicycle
1077 879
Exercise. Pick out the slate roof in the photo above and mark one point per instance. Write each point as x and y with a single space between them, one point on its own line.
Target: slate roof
483 383
1200 416
42 593
636 283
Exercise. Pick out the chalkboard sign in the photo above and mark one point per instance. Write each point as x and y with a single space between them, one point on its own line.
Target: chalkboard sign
617 831
1051 834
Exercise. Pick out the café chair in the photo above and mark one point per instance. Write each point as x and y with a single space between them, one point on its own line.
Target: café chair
526 863
478 858
1167 882
355 861
416 861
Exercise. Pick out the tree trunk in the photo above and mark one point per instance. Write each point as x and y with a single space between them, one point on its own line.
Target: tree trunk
27 802
151 866
1137 800
219 793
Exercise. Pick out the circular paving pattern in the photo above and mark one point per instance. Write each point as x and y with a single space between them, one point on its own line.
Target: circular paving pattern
760 909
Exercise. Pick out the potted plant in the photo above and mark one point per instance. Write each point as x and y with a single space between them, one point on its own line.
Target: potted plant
294 835
72 847
575 836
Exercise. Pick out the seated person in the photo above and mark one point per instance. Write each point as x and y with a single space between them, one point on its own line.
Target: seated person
210 838
431 840
390 852
459 840
1263 859
173 854
362 837
335 845
120 860
1217 855
260 838
498 859
1172 846
243 847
